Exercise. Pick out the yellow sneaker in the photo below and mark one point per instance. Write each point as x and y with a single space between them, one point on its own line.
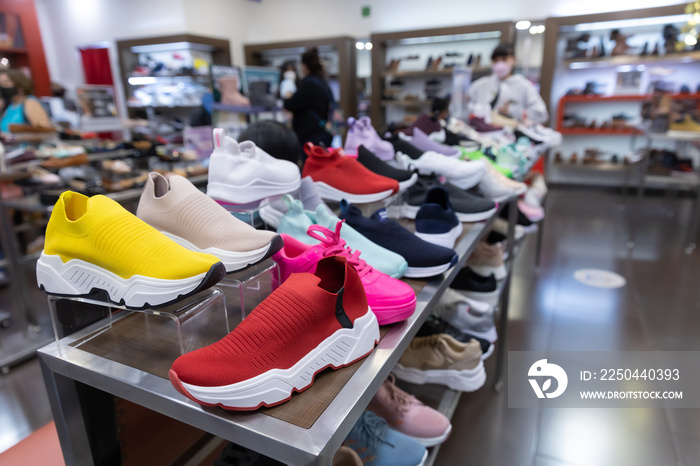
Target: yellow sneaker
95 246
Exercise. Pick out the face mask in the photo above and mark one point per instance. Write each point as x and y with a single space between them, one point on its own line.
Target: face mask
290 75
7 93
501 69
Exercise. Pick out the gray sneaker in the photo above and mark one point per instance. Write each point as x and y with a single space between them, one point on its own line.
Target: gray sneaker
467 315
273 212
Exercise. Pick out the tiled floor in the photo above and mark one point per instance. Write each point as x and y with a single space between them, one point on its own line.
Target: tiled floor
658 309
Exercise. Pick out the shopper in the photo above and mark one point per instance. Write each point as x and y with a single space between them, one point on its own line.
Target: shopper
18 104
311 104
288 79
509 94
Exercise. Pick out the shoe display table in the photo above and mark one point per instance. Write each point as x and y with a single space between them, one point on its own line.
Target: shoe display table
306 430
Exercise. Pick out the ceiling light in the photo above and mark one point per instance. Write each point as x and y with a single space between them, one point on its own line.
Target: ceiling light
368 46
4 61
522 25
360 45
690 40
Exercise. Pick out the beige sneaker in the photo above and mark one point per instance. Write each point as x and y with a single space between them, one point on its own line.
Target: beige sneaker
192 219
441 359
487 259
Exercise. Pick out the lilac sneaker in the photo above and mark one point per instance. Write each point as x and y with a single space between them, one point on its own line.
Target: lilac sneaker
424 143
362 133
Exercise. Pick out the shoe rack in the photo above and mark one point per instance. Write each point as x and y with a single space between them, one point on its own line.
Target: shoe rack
597 76
164 62
306 430
338 55
409 67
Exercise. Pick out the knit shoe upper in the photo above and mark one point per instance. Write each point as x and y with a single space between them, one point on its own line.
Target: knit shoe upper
177 208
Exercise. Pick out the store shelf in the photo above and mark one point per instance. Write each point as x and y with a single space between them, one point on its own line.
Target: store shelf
620 98
607 62
170 76
246 110
405 103
265 430
430 74
599 132
675 136
164 107
14 50
604 166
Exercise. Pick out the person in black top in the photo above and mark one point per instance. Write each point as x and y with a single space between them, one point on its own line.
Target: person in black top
311 103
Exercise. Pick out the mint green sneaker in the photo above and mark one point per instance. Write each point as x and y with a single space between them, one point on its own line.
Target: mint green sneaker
297 220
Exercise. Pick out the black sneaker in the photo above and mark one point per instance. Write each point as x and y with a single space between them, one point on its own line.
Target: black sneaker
495 237
468 207
435 326
406 148
475 286
406 178
424 259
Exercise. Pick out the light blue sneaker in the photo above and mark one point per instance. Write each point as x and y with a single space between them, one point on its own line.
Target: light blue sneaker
297 220
379 445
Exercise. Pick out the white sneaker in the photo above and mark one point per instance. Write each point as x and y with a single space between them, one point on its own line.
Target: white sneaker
531 199
243 173
461 173
467 315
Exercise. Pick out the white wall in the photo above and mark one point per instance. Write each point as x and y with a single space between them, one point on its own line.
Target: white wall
67 25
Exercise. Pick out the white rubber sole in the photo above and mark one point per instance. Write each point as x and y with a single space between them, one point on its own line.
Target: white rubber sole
421 272
490 335
254 191
432 441
499 272
490 298
466 380
446 240
232 260
330 193
79 278
271 216
489 352
424 459
344 347
404 185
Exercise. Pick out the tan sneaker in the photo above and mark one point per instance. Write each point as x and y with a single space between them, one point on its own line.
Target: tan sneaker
192 219
441 359
487 259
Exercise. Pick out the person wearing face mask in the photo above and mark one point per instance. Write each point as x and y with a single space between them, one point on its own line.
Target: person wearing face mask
19 106
311 103
288 80
509 94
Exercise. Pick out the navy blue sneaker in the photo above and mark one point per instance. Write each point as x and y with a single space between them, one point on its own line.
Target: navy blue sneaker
424 259
436 220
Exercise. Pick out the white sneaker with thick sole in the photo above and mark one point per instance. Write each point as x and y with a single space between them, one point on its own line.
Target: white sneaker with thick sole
467 380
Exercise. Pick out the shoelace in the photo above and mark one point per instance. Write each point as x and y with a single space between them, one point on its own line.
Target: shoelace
373 429
334 245
422 342
401 399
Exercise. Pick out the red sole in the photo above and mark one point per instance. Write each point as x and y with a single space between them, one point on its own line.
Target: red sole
174 379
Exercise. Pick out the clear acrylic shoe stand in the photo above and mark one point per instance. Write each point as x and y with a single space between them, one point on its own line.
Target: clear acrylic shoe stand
189 324
249 213
246 289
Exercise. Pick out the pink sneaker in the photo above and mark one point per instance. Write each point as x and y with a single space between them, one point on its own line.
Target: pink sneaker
534 214
362 133
409 416
390 299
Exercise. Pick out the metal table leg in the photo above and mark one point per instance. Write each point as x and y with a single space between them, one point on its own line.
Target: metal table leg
67 414
505 298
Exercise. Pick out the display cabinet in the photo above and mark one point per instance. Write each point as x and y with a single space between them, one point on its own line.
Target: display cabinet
410 68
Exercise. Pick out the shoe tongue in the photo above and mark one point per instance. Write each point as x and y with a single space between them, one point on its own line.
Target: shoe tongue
380 215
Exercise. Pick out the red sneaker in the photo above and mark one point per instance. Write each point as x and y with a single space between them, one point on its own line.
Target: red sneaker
311 322
337 177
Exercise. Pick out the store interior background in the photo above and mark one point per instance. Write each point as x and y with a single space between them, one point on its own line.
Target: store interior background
550 311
